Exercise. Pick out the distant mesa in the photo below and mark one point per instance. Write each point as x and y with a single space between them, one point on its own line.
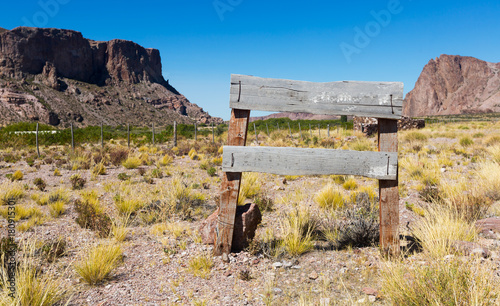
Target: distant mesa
453 84
49 73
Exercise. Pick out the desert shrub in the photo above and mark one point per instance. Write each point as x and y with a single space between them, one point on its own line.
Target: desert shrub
53 249
441 281
32 287
127 204
415 136
77 181
141 171
339 179
440 227
156 173
297 232
91 216
132 162
10 193
117 155
181 199
96 265
193 154
466 141
123 176
250 187
166 160
99 169
17 176
329 197
57 208
350 184
212 171
201 265
40 183
359 226
362 144
265 203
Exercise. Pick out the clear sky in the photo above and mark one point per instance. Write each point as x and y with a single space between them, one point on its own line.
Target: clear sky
203 42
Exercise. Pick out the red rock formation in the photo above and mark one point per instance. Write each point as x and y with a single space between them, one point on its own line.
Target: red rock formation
455 85
62 65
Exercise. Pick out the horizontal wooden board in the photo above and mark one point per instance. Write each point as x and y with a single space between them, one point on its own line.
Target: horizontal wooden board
305 161
370 99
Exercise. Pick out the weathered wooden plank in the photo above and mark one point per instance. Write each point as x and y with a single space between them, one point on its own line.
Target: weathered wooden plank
230 186
305 161
388 190
371 99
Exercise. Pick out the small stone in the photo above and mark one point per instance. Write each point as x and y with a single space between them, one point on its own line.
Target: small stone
313 275
449 257
225 258
372 298
256 261
277 265
369 291
108 286
296 267
277 290
228 273
324 301
287 264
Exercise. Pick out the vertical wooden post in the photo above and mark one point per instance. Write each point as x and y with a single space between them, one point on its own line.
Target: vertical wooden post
72 138
230 187
290 130
102 137
195 132
328 130
37 148
256 135
153 136
267 129
300 132
319 131
310 131
128 135
175 133
388 190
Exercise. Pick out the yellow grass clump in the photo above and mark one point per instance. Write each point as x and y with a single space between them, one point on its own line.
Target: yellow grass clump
330 197
97 264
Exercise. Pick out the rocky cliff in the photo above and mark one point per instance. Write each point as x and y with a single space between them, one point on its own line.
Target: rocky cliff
58 76
455 85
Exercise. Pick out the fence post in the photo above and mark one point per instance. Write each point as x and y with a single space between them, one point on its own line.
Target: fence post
72 138
290 130
388 190
230 186
267 129
328 130
102 137
37 148
128 135
195 132
256 135
310 131
175 133
153 134
300 132
319 131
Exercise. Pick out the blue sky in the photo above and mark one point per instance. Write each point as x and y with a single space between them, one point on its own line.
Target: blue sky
203 42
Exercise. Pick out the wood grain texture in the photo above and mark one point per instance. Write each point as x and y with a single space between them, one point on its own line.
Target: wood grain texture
304 161
371 99
230 187
388 191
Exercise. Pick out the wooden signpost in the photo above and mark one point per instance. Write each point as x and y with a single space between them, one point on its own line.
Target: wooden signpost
382 100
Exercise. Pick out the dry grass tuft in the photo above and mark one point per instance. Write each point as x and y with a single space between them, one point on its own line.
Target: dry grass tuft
330 197
97 264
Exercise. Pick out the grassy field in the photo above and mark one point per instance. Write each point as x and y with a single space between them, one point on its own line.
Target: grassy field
119 225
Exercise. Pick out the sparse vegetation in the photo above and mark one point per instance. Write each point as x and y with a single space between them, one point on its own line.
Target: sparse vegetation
98 263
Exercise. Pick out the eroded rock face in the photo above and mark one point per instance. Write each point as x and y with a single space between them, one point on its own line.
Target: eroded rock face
58 69
26 50
455 85
248 217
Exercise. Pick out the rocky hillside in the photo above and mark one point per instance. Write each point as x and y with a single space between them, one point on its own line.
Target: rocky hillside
455 85
57 76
